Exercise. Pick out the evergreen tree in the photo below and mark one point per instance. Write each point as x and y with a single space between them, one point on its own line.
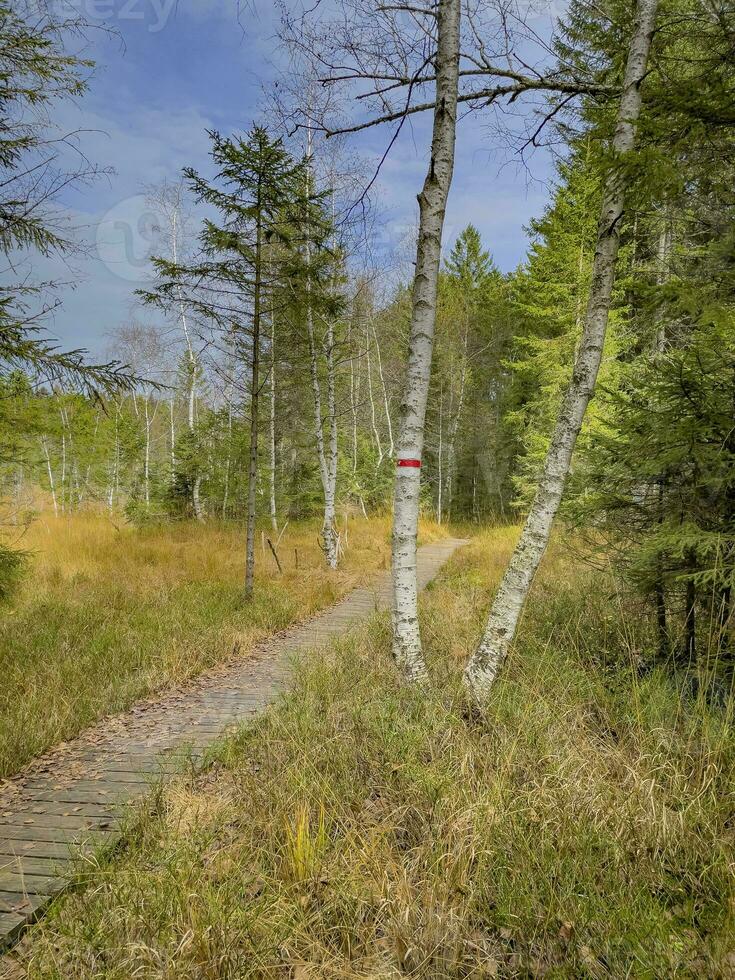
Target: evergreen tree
260 193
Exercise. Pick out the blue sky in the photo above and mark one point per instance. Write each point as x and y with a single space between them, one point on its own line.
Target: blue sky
177 69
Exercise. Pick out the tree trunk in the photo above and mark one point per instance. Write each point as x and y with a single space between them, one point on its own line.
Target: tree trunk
172 430
192 365
147 456
354 395
506 609
373 418
440 488
329 531
386 403
454 426
327 456
254 381
272 425
690 623
432 206
51 484
228 461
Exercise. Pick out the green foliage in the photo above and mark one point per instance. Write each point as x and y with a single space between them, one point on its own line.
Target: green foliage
659 476
12 563
36 72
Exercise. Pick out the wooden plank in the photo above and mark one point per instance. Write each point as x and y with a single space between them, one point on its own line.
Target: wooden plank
135 777
39 848
75 821
51 822
59 834
11 926
31 808
100 786
98 795
29 884
31 864
21 902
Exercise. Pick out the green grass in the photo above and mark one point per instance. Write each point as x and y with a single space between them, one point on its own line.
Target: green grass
363 829
106 616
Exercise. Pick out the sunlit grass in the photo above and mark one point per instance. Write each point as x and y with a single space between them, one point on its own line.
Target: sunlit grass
366 830
108 613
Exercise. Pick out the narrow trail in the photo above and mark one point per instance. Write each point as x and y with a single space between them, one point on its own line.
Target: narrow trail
73 800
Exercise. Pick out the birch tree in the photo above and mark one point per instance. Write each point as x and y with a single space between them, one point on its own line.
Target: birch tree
485 663
168 200
326 448
401 60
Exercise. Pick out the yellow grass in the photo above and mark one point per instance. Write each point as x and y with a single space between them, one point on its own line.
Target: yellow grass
363 829
108 613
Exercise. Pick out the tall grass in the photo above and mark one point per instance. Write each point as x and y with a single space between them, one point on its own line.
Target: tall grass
107 614
362 829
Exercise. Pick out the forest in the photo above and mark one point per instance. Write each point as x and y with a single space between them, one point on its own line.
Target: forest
525 770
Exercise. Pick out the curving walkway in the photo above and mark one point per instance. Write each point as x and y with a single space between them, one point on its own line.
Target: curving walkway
73 800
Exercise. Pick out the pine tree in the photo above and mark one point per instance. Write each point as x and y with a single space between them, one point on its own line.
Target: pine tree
260 193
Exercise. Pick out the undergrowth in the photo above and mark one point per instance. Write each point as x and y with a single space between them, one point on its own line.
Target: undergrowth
363 829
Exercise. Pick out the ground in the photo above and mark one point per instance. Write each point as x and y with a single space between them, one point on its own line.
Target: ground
108 613
364 829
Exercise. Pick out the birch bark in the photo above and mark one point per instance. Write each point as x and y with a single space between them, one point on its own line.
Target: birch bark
326 453
386 400
192 365
373 416
409 444
52 485
485 663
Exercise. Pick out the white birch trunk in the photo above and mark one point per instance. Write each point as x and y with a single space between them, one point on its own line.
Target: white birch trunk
147 457
51 484
196 501
373 420
662 274
439 496
326 454
386 403
353 396
172 430
63 462
485 663
432 206
228 461
329 531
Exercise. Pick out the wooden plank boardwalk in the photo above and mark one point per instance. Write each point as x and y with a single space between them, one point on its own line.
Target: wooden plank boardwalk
73 800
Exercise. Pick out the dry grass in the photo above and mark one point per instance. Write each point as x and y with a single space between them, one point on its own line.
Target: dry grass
365 830
109 614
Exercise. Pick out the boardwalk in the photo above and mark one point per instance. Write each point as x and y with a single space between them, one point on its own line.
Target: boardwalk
76 799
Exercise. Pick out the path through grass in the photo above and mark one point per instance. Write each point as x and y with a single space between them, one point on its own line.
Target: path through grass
365 830
106 616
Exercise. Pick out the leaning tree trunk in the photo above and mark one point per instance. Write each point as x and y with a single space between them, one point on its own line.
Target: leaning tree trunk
506 609
410 442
